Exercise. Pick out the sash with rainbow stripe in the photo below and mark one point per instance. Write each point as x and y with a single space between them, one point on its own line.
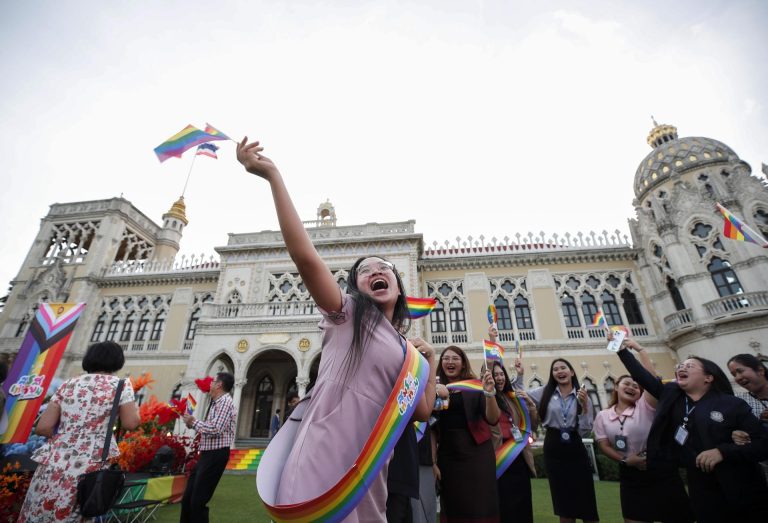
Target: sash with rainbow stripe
34 367
511 448
341 499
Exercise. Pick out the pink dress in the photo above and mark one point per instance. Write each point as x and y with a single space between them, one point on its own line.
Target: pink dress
341 414
85 403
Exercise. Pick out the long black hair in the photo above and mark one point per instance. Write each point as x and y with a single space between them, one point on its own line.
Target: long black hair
720 381
506 388
466 368
549 389
367 314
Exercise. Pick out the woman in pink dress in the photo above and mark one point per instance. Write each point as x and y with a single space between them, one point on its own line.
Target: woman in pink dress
362 354
76 421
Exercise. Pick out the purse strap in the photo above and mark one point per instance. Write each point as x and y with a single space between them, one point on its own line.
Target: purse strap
112 418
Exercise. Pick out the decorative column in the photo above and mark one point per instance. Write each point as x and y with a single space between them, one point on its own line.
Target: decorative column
302 382
239 384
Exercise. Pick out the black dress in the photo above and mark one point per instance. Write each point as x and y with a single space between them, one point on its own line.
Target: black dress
467 470
569 472
514 486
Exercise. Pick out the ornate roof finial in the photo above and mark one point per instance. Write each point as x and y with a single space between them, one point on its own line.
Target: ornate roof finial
661 133
655 123
178 211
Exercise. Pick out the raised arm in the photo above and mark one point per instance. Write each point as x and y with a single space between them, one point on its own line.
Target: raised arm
313 270
646 379
647 364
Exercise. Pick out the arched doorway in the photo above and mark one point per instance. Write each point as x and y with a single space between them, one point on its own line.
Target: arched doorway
269 380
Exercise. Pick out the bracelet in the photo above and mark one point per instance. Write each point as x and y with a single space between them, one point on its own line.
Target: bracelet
489 394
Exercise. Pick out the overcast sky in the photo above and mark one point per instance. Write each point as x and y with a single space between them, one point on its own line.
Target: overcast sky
471 117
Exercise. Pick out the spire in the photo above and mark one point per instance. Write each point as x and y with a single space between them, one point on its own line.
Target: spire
178 211
661 134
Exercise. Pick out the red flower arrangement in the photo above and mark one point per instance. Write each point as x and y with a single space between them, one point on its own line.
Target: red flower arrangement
138 448
13 489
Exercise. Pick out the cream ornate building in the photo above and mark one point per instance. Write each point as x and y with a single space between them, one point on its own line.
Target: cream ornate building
678 285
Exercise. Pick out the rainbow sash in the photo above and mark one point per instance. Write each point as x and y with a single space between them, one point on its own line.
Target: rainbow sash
511 448
341 499
34 367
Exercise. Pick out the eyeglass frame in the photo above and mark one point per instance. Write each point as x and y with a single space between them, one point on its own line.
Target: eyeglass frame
382 266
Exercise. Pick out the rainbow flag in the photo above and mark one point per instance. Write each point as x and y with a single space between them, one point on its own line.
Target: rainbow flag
419 307
191 404
207 149
735 229
493 351
512 448
215 132
34 367
166 489
183 140
421 428
473 385
599 320
492 314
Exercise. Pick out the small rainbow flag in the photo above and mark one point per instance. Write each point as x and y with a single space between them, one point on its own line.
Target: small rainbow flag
493 351
473 385
735 229
191 404
215 132
207 149
419 307
34 367
599 320
492 314
183 140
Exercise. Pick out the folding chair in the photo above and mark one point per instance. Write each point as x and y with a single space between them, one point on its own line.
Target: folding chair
154 493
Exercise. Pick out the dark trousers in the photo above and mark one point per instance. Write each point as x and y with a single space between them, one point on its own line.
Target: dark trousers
201 484
399 508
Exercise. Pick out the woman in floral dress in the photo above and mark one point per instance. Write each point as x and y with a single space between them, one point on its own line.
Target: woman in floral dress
76 422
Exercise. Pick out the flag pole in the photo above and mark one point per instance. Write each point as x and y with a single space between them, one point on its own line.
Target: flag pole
189 174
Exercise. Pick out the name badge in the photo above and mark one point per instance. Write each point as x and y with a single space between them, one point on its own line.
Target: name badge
620 443
564 436
516 433
681 436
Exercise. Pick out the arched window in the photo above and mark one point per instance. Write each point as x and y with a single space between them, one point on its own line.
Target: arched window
523 313
113 325
609 384
437 318
701 230
261 414
588 308
141 331
674 293
98 329
570 312
535 382
597 405
458 321
157 326
125 334
502 311
611 309
725 280
632 308
192 326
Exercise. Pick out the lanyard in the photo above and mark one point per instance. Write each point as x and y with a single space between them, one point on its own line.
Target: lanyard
623 419
565 408
688 412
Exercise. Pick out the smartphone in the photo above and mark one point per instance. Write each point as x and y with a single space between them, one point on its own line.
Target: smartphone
619 334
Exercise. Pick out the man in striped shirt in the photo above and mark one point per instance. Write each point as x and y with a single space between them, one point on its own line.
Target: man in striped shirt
217 434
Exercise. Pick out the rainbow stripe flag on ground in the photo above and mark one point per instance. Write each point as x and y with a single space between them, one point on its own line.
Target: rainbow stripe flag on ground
34 367
735 229
187 138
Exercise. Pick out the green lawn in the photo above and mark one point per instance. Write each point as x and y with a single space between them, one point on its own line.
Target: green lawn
236 501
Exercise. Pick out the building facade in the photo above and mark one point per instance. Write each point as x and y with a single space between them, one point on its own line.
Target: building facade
677 285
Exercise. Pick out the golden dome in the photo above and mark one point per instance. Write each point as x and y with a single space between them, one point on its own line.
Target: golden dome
178 211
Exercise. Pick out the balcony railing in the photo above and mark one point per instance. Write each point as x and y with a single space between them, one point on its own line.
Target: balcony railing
261 310
679 320
187 345
737 304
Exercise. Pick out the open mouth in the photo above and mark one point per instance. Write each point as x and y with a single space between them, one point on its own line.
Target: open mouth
743 382
379 284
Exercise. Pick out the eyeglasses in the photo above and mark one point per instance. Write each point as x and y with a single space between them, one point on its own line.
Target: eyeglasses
686 366
451 358
382 266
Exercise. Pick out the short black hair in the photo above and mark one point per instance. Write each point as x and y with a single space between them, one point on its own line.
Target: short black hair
227 380
106 356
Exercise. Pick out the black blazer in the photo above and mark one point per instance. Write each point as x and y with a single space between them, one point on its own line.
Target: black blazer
717 416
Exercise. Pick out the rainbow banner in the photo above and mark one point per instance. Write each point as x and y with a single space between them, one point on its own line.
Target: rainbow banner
191 404
340 500
512 448
493 351
419 307
166 489
599 320
34 367
736 229
183 140
492 314
473 385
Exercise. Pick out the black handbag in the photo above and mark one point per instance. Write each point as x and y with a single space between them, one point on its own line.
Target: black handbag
97 491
